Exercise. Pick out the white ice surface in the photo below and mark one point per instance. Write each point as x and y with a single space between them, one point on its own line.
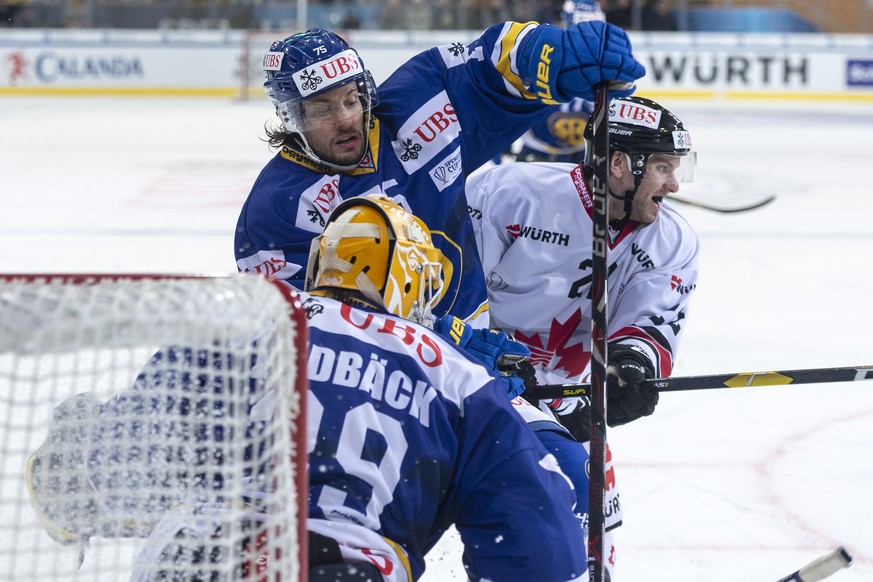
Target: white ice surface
718 485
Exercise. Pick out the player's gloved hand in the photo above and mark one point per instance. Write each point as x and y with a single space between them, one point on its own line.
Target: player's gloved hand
497 350
560 64
575 415
627 398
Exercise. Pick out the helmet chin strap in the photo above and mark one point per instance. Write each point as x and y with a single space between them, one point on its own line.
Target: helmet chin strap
628 196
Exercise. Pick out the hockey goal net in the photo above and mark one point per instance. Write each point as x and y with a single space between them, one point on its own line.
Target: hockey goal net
151 428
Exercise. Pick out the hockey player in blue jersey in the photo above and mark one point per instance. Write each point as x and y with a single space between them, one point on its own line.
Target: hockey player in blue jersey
439 117
410 435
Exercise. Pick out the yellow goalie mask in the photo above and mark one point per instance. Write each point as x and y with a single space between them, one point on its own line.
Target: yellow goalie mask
374 246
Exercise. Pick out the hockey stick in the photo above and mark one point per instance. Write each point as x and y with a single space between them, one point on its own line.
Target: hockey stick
599 317
734 380
705 206
821 568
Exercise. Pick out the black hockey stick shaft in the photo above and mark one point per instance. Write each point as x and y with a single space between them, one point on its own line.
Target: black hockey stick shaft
821 568
722 209
732 380
599 320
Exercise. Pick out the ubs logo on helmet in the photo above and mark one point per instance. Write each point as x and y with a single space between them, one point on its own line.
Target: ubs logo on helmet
341 67
634 113
272 61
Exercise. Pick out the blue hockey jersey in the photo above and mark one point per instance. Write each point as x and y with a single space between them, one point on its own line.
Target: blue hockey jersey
440 116
408 436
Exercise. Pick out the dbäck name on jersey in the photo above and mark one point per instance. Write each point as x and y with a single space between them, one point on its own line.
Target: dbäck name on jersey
374 376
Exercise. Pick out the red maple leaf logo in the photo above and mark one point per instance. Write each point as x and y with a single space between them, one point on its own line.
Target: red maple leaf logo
572 358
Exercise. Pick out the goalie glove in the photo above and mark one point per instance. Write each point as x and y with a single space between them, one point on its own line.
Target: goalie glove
558 65
496 350
627 398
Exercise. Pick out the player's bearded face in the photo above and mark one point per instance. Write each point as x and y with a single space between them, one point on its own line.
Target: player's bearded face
335 124
659 181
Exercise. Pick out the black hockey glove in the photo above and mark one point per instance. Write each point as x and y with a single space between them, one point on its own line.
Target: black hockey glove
578 420
627 398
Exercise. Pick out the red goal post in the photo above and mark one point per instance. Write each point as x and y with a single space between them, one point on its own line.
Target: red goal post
254 44
231 433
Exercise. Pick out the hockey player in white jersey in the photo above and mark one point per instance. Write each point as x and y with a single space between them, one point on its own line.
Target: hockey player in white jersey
533 229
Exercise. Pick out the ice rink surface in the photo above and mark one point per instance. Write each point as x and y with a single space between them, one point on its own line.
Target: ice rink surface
718 485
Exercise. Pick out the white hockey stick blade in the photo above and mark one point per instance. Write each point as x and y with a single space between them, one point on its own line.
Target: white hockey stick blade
821 568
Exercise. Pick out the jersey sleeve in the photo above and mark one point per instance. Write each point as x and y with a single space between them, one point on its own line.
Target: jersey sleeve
484 84
652 308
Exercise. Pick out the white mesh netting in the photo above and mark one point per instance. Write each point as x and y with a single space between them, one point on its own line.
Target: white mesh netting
148 429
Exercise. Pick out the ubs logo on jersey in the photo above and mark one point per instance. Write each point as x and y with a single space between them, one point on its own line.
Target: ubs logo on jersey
426 133
316 203
270 263
426 349
538 234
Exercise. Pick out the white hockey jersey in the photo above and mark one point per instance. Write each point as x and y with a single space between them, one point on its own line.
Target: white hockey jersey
533 228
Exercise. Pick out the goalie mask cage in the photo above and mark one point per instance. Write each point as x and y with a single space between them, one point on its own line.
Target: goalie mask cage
151 428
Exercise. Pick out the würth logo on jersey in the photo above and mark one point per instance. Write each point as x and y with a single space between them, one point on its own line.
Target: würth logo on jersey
538 234
676 285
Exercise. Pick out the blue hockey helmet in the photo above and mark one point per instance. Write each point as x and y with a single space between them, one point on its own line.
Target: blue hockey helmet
308 64
576 11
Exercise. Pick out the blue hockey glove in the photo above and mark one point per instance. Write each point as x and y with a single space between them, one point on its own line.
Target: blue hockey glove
627 398
501 354
559 64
